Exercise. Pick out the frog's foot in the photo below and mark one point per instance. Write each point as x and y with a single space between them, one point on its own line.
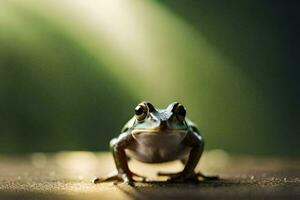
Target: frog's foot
116 177
181 177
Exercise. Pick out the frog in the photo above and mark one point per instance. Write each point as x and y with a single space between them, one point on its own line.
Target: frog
155 135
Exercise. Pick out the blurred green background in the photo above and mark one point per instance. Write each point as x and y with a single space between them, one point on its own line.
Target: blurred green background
72 71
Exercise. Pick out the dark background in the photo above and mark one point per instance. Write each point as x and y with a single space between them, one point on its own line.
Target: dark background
71 74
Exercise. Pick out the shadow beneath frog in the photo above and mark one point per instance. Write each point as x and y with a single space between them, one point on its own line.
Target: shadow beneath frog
167 190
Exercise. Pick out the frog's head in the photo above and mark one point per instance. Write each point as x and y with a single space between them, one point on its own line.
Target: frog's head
152 121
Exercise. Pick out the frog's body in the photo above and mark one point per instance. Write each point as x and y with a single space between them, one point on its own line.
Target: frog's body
155 136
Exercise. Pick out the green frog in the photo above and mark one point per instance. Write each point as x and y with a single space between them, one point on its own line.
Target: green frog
155 136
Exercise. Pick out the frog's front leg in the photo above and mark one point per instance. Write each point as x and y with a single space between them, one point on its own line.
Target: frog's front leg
195 142
118 146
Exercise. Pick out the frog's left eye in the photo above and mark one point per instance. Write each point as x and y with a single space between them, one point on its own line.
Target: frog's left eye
180 112
141 112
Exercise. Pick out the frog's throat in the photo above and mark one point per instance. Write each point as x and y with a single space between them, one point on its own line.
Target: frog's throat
158 131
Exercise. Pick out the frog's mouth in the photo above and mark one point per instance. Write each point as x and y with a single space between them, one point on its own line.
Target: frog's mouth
158 131
154 137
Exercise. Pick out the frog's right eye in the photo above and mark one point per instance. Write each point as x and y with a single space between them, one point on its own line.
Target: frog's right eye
141 112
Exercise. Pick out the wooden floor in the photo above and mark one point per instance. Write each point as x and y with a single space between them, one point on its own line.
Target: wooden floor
69 175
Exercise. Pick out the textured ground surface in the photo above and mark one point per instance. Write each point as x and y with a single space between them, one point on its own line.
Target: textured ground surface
68 175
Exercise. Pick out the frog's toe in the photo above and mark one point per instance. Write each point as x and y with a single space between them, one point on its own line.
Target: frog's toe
199 174
110 177
97 180
104 179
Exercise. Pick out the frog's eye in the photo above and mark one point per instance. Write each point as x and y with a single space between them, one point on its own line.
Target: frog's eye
180 112
141 112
